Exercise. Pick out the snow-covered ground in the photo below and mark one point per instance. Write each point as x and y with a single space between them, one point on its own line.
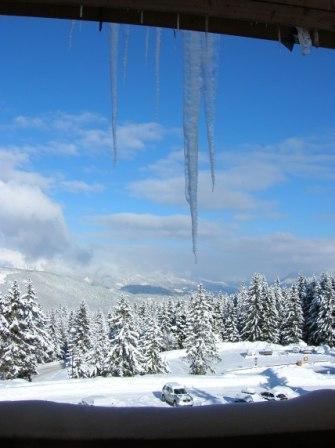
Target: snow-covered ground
234 372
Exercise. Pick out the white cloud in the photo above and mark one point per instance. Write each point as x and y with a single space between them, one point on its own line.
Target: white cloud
247 171
230 192
58 120
30 221
12 259
131 137
136 226
78 186
32 225
12 161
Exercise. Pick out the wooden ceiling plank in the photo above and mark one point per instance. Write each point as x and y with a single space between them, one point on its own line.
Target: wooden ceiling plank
266 27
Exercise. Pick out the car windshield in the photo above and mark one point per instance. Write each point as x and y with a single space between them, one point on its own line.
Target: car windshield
179 391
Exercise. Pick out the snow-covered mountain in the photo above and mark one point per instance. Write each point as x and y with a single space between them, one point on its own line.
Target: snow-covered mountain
100 292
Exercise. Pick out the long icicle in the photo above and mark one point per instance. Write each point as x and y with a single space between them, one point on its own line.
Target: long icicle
72 27
146 45
125 53
192 100
114 46
157 67
210 48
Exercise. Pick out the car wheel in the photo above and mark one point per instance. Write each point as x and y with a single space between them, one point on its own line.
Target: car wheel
163 397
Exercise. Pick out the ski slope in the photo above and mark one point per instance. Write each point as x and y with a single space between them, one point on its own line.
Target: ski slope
234 372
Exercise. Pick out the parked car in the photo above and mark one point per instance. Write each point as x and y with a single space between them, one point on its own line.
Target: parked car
306 350
249 397
281 397
319 350
267 395
251 353
295 349
176 395
266 351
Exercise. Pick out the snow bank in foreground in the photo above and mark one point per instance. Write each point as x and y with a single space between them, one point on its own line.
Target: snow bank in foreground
313 412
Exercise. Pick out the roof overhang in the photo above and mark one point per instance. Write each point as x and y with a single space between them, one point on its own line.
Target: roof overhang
264 19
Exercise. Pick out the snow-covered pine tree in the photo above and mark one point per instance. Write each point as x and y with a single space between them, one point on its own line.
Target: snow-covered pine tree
254 310
241 309
270 326
313 300
181 323
152 348
325 321
37 324
4 333
231 322
81 344
124 358
166 321
54 334
62 319
200 344
302 285
218 317
293 318
20 348
101 346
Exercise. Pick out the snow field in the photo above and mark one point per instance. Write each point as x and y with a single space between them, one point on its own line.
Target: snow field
53 384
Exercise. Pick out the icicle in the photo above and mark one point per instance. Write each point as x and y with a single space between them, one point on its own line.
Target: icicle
157 66
192 100
125 54
305 40
114 46
316 38
146 45
210 48
73 24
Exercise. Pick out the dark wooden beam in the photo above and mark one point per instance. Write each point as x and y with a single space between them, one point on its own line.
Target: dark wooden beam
264 19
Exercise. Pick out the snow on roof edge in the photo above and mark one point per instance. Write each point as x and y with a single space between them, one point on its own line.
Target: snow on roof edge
314 411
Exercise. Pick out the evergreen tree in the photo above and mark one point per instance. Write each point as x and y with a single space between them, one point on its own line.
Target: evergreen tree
101 346
4 334
270 327
125 358
254 310
241 309
293 319
325 321
181 324
152 347
313 300
200 344
81 344
231 322
302 285
167 323
20 347
37 324
54 334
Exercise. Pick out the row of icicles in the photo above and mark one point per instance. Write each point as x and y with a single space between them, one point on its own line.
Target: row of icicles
200 81
201 59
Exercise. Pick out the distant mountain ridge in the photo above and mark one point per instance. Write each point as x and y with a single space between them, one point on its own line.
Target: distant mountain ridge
55 290
102 293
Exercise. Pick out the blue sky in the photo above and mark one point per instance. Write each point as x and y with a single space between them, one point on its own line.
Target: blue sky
64 206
